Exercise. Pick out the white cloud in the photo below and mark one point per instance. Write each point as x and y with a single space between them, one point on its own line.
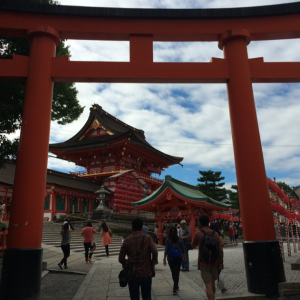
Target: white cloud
172 3
192 120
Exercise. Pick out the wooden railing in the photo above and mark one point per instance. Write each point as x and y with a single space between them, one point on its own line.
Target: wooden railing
3 235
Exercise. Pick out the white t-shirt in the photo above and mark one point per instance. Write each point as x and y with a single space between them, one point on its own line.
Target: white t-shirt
179 232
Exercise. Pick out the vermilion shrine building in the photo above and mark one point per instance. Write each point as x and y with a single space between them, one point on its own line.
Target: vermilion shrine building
176 200
117 156
64 193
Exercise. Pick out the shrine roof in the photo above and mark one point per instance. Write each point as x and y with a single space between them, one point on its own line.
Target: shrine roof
187 191
55 178
117 130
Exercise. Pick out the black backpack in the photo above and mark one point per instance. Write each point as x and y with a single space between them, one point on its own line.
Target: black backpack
209 249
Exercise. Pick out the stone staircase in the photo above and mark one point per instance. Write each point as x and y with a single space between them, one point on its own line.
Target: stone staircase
51 236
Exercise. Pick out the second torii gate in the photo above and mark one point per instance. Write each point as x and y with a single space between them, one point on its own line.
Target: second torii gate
45 25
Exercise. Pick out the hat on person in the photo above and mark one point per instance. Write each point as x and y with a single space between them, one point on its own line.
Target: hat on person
183 222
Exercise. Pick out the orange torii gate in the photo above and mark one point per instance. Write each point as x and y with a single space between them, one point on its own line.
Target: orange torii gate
233 28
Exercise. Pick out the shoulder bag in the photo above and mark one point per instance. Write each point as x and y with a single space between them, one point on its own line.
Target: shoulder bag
128 273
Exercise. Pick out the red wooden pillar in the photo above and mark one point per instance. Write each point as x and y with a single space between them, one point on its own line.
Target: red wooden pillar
261 249
21 270
53 205
160 231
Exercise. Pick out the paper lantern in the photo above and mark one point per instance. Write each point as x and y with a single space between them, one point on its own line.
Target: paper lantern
217 216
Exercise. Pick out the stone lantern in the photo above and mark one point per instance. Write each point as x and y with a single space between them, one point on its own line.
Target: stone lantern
102 211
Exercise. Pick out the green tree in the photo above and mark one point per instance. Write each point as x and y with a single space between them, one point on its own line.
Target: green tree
209 185
65 105
234 196
286 187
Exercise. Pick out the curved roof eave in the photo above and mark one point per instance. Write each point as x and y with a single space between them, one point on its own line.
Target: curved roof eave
168 184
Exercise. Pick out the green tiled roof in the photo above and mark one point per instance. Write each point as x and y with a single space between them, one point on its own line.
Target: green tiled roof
183 189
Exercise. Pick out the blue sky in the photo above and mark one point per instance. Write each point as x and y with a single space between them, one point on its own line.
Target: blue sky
192 120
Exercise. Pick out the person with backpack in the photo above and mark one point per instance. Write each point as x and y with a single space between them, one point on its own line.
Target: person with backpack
174 250
210 255
215 227
138 248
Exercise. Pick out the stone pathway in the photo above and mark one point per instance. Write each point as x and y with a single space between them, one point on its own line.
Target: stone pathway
102 281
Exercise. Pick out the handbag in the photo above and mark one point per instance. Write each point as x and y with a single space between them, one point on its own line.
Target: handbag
128 273
110 233
94 246
221 280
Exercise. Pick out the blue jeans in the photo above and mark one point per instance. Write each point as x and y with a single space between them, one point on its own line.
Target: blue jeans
134 288
186 264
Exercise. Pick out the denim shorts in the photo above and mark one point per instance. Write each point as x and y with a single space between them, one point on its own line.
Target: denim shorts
232 238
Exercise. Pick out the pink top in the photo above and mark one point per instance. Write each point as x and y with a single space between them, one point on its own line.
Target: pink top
87 233
106 238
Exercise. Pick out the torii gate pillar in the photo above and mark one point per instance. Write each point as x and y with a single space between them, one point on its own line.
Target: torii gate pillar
263 263
22 262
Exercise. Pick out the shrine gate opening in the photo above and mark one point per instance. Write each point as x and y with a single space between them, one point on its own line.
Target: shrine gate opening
233 28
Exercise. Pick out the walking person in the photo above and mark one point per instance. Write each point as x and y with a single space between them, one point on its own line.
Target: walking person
215 227
2 210
106 237
87 233
231 234
65 245
139 248
179 230
222 232
210 261
156 234
186 236
67 220
174 251
236 236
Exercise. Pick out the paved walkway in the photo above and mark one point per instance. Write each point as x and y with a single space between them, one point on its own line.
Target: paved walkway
76 262
102 281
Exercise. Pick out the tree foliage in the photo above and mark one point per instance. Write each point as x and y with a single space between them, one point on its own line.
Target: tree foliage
234 196
65 105
287 189
209 185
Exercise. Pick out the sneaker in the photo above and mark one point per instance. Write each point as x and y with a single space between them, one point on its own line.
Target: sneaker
86 261
175 292
90 259
60 266
224 291
66 267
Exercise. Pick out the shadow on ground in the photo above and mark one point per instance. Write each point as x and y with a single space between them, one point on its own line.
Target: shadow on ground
60 286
